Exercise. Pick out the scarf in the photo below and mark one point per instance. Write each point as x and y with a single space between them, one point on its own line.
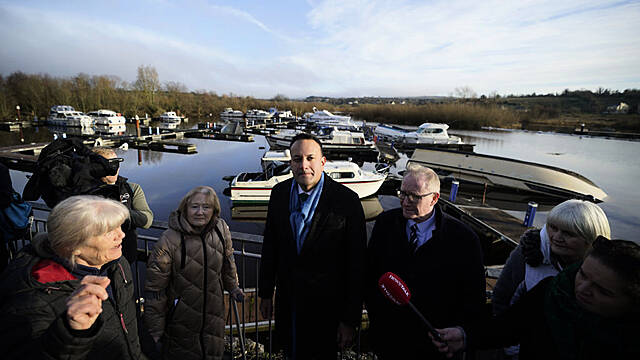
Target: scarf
533 275
580 334
302 213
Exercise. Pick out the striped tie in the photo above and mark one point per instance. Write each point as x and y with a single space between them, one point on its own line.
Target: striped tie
413 237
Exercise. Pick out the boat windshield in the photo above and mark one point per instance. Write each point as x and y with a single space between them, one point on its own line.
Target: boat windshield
430 131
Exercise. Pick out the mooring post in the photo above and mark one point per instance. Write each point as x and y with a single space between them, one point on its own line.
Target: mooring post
454 190
157 130
137 125
484 194
530 215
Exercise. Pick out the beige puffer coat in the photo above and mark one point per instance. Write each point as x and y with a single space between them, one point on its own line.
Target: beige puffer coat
184 306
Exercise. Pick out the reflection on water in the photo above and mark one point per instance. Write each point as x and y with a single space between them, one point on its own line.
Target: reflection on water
165 177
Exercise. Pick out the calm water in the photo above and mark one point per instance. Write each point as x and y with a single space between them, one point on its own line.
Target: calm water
614 165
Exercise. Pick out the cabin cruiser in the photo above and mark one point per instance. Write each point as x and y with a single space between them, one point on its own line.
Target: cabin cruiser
65 115
255 114
331 138
427 133
229 113
509 173
256 187
107 117
170 117
325 118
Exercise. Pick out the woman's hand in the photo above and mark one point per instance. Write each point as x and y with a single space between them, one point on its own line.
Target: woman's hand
85 303
237 294
453 340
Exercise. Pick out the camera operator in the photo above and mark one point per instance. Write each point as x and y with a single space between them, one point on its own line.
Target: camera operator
131 195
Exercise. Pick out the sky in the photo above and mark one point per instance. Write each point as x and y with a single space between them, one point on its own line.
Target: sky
336 48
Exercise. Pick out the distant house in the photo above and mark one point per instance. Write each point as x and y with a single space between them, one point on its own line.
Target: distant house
621 108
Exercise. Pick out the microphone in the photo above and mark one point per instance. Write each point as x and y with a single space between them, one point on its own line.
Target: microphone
394 289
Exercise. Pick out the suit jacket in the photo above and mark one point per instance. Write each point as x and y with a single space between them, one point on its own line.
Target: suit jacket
324 282
445 277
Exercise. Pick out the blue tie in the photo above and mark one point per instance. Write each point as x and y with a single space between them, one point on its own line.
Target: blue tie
413 237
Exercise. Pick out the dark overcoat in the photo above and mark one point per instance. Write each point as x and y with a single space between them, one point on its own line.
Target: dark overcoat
445 276
324 282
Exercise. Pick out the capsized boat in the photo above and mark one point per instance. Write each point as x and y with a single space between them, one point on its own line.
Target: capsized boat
254 187
510 173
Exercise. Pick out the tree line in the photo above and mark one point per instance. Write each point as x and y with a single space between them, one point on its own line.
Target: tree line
147 95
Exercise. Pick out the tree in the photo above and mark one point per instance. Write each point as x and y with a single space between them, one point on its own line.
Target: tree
147 81
465 92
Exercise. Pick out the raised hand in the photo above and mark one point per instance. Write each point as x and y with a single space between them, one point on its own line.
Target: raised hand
85 303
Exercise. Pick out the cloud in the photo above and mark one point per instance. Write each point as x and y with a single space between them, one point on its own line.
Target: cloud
339 48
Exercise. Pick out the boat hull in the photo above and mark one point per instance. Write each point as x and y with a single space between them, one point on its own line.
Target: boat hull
516 174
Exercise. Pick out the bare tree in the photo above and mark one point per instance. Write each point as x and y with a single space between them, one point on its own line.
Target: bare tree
147 81
465 92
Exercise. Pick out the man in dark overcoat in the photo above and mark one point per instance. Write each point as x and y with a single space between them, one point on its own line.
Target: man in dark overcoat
438 257
313 258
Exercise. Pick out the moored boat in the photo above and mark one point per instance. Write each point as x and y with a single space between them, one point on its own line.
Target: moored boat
427 133
107 117
65 115
256 187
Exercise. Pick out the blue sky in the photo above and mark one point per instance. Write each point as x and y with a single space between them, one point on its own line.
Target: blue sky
334 47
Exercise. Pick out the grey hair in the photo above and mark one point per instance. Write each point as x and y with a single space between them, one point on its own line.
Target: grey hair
430 178
104 151
79 218
583 218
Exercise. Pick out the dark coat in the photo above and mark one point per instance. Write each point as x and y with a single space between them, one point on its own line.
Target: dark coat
584 335
185 305
324 282
32 317
445 276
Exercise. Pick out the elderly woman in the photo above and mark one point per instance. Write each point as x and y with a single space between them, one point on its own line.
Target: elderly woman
571 228
187 272
69 293
588 311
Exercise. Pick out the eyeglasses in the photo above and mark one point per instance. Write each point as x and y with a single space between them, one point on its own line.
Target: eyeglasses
413 197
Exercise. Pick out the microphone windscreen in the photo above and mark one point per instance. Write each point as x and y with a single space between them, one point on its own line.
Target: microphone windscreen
394 289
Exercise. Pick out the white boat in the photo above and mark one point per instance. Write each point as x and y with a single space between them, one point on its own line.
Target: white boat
509 173
229 113
331 138
255 114
326 118
427 133
114 129
256 187
170 117
65 115
107 117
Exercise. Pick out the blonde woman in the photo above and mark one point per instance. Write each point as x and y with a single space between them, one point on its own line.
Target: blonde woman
187 272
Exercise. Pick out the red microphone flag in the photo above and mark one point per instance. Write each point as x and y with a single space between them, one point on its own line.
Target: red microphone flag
394 289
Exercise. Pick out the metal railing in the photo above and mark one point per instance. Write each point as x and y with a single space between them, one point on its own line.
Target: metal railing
239 322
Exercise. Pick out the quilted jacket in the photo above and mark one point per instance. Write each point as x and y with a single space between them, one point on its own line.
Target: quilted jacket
184 292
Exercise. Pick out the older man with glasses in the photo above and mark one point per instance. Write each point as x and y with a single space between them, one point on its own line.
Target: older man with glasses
438 257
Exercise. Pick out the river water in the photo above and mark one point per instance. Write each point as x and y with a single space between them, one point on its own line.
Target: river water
614 165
